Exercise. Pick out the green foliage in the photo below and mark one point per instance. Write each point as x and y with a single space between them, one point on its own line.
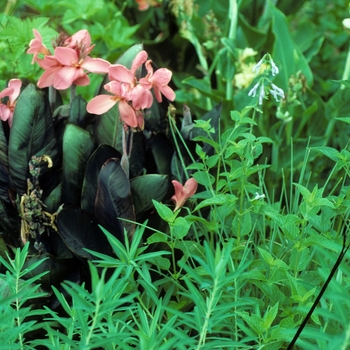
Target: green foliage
18 294
244 260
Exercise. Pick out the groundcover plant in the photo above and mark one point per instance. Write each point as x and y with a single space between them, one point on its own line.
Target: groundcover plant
174 174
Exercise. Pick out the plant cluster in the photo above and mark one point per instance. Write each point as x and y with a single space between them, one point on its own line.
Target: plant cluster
212 216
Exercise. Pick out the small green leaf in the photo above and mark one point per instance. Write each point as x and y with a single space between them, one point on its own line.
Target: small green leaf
157 237
204 178
162 263
266 256
329 152
164 212
220 199
179 228
269 317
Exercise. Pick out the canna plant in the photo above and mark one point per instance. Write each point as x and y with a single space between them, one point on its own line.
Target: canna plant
69 169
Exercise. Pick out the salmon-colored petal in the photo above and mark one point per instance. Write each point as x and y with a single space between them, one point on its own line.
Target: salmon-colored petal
16 85
6 92
114 87
190 187
141 98
182 193
145 83
168 92
120 73
48 62
143 5
95 65
157 93
138 61
47 78
5 112
66 56
82 81
161 76
64 77
80 38
149 67
178 190
101 104
127 114
35 44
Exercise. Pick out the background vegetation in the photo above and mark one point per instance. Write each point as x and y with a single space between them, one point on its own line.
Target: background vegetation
241 265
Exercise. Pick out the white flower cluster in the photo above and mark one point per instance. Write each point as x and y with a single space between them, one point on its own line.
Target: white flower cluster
275 91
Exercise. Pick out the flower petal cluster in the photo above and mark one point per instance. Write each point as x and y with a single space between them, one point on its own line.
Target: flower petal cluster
276 92
183 192
132 94
12 92
253 92
70 62
144 5
36 46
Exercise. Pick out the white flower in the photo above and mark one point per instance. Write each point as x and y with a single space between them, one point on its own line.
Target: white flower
346 23
252 92
276 92
274 68
256 68
258 196
261 95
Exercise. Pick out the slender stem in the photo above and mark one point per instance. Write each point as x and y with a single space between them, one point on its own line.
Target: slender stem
233 14
346 73
114 142
73 92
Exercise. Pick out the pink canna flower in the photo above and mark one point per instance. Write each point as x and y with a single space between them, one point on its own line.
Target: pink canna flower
81 40
141 98
145 4
159 80
36 46
51 67
12 92
70 61
73 68
102 103
182 193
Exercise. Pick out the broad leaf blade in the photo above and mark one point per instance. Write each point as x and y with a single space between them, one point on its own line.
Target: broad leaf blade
78 146
31 134
147 187
93 167
80 230
113 200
